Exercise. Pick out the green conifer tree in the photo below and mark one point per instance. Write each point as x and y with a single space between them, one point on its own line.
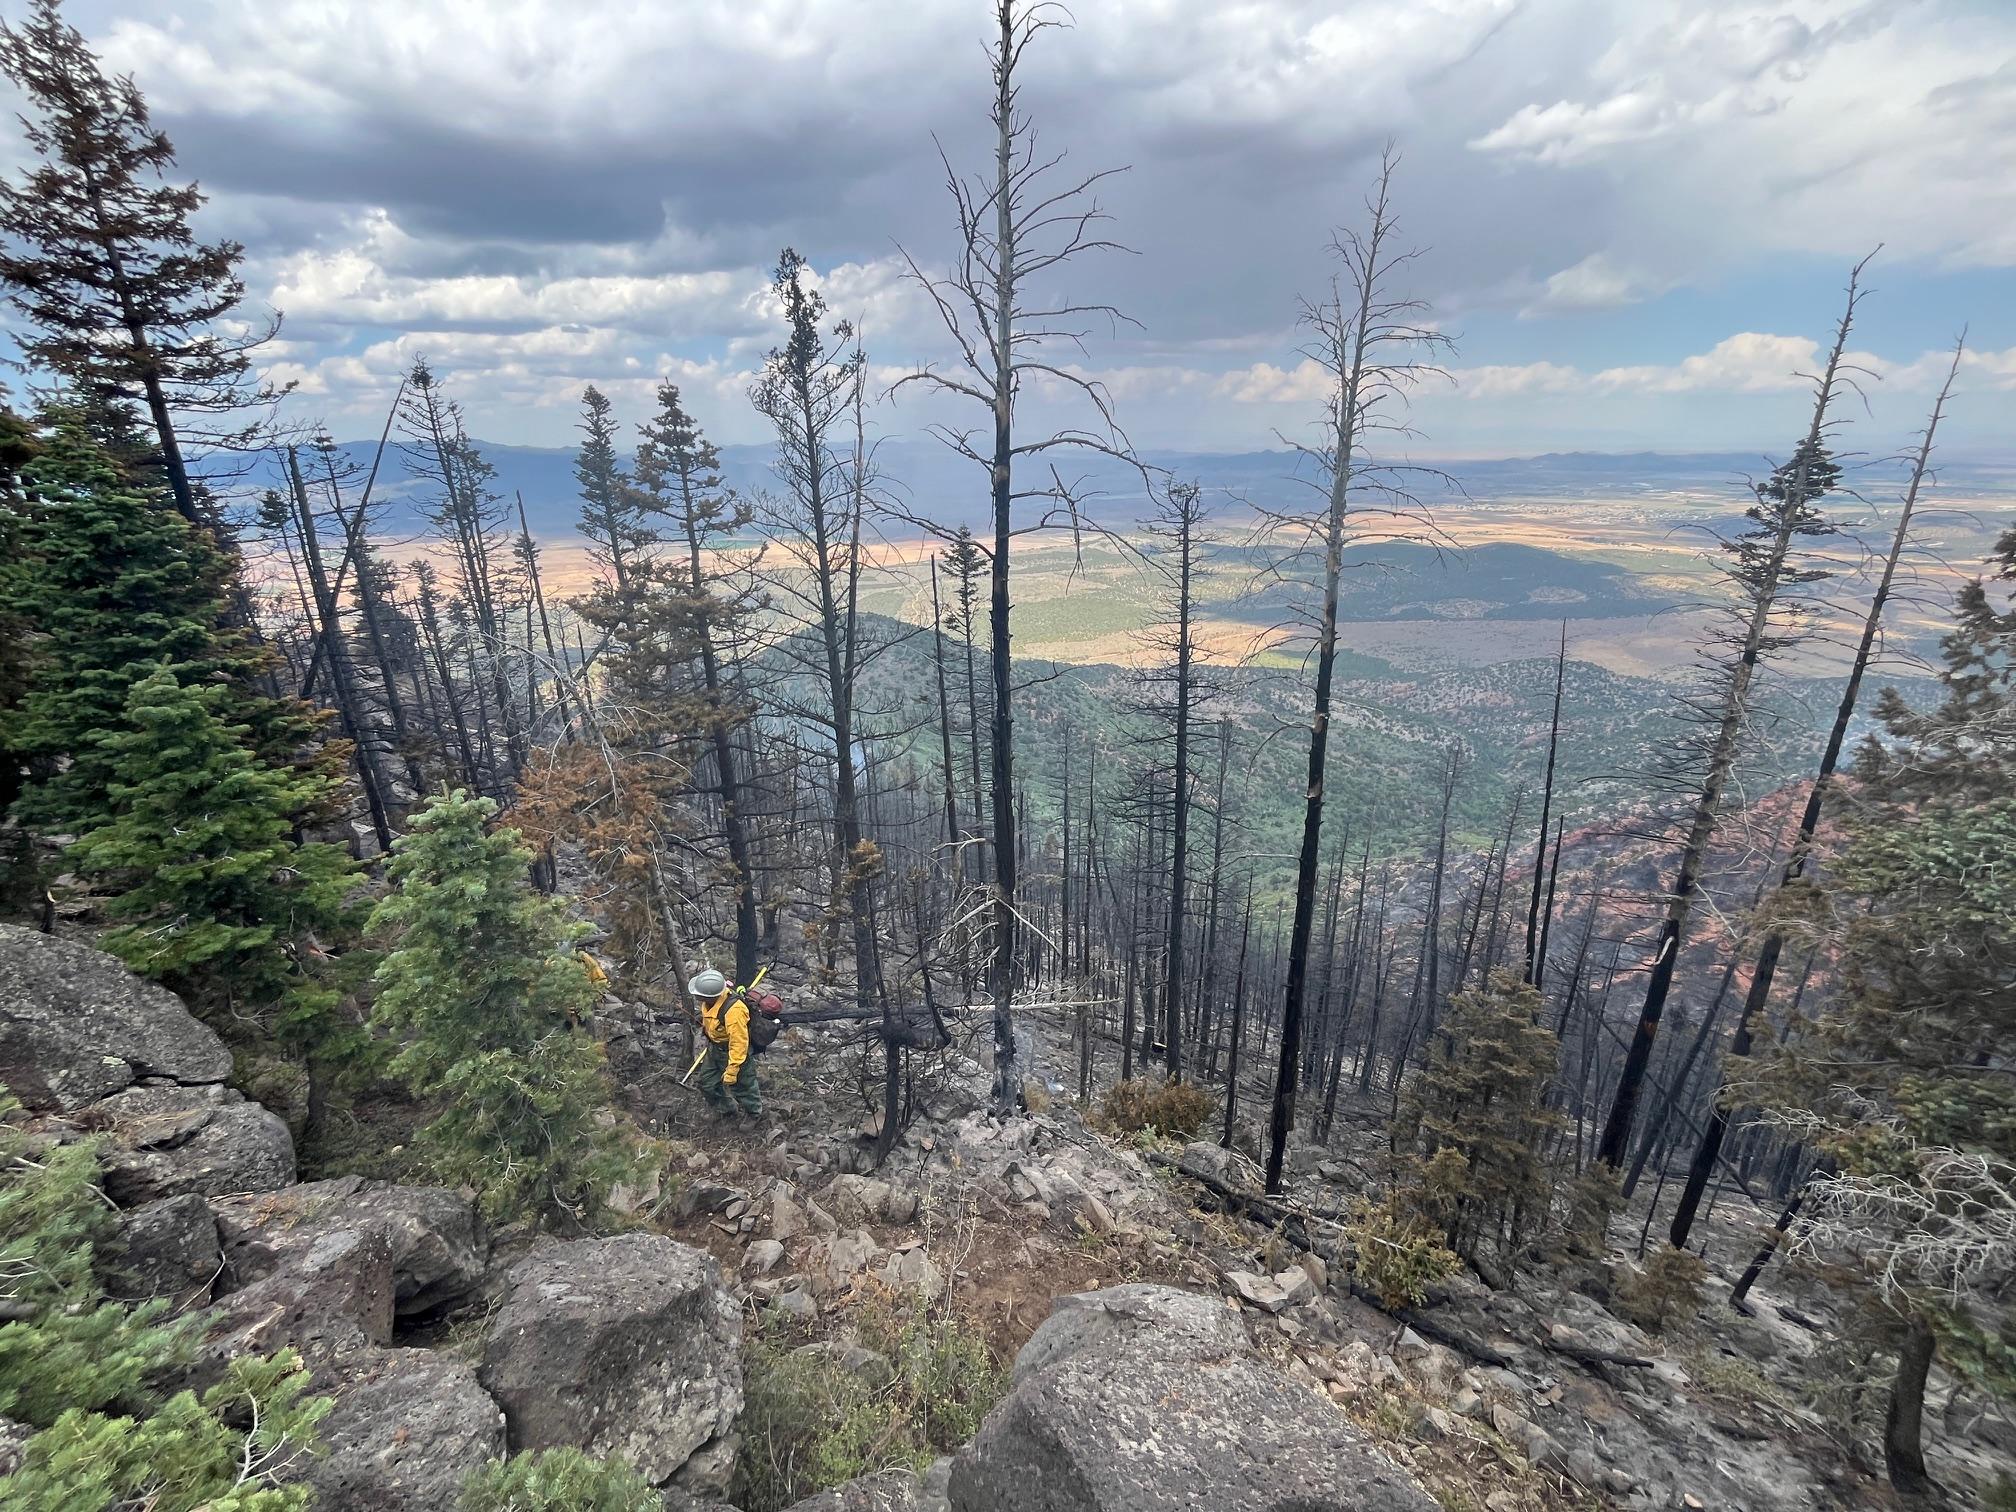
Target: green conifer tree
1476 1115
111 589
1901 1078
218 901
481 989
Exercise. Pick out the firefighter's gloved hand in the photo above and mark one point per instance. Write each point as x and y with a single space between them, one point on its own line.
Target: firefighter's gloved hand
728 1078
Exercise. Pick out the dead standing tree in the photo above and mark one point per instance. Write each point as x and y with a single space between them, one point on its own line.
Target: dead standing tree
1763 567
1765 972
1016 225
1373 350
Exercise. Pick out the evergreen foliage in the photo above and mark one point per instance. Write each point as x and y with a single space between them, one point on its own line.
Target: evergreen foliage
558 1480
77 1367
1476 1114
478 991
114 588
119 296
217 899
613 515
1900 1077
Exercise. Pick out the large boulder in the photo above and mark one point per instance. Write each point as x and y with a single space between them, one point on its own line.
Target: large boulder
438 1244
164 1249
628 1346
77 1026
1137 1427
407 1426
168 1140
332 1298
1176 1322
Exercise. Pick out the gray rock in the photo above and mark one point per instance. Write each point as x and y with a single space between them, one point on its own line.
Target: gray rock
1134 1430
1295 1284
439 1247
912 1271
331 1297
787 1219
885 1491
1263 1292
796 1302
407 1426
164 1249
626 1346
1178 1322
762 1257
13 1444
847 1255
166 1141
77 1026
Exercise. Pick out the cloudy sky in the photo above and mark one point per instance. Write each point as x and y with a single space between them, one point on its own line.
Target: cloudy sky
1636 217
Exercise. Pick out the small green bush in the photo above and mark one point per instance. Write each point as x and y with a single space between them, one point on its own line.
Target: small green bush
808 1424
190 1454
76 1365
1175 1109
1396 1253
557 1480
1665 1290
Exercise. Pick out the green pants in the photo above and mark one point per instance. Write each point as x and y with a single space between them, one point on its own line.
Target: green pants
741 1093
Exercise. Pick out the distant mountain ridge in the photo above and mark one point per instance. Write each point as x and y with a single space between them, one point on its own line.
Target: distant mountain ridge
928 480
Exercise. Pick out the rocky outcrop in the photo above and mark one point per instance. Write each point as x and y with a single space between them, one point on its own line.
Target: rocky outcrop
331 1299
407 1426
212 1219
168 1140
77 1026
627 1346
164 1249
1147 1423
436 1244
1120 1317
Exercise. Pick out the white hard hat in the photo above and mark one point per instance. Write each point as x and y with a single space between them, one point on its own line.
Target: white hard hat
708 984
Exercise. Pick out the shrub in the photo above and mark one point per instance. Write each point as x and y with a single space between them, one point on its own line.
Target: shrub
1664 1290
1396 1253
1175 1109
75 1365
222 1452
558 1480
808 1423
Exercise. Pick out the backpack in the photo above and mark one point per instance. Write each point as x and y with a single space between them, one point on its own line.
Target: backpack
762 1031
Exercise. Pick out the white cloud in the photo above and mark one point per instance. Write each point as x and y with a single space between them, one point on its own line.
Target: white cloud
1505 381
1595 283
1308 382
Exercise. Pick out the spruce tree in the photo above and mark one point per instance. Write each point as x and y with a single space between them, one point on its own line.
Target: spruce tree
1901 1078
480 990
120 297
679 478
217 900
113 589
1477 1116
613 514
